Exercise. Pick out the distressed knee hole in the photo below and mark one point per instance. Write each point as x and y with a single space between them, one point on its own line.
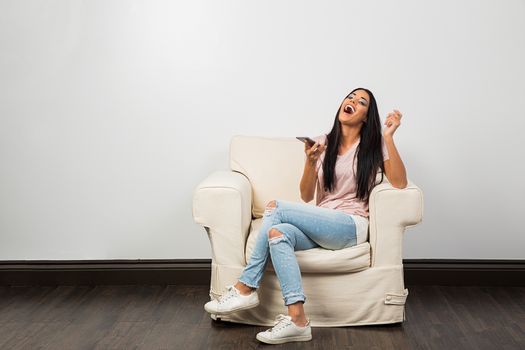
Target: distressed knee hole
270 205
274 233
269 208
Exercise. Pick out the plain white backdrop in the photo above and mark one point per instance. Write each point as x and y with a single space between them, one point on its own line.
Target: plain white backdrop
111 112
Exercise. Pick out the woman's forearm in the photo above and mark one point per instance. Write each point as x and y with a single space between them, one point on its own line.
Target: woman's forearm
308 181
397 175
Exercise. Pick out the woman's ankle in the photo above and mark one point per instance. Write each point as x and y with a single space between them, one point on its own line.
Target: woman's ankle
296 312
300 321
244 289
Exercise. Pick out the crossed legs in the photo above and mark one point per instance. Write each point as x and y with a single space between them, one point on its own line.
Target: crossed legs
281 250
287 227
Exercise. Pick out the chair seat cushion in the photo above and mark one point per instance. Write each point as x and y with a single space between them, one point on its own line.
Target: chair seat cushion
320 260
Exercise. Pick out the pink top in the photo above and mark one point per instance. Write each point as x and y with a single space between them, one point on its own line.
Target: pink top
343 197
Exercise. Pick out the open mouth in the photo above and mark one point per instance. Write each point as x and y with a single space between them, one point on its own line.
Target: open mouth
349 109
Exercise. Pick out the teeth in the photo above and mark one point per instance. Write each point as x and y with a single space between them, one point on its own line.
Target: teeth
349 108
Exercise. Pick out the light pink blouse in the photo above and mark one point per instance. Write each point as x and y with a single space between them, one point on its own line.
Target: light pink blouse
343 196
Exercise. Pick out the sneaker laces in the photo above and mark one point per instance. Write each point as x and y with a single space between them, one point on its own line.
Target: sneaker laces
229 294
281 321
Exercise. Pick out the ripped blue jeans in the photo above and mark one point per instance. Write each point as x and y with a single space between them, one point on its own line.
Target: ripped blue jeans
303 226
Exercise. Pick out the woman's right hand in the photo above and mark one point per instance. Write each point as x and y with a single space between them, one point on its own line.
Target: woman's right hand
314 152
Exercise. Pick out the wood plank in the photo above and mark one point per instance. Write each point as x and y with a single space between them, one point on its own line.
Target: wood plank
160 317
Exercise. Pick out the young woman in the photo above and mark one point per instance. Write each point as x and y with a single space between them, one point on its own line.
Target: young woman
343 166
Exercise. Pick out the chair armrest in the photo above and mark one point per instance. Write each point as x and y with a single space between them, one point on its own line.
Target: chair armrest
391 211
222 203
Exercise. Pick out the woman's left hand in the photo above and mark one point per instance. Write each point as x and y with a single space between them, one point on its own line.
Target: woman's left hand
392 122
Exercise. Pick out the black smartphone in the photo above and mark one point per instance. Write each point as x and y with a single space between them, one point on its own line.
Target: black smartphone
306 140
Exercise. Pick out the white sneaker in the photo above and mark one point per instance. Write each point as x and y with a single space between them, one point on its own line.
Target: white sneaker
284 331
232 301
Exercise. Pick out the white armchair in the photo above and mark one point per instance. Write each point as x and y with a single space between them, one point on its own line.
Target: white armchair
359 285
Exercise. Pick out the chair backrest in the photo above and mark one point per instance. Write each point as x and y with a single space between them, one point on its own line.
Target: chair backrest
274 166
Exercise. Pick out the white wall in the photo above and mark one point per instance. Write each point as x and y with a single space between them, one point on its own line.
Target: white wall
111 112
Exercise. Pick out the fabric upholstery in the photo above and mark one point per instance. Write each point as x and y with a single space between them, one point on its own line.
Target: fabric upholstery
360 285
320 260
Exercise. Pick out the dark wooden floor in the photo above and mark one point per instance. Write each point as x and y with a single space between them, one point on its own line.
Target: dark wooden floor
172 317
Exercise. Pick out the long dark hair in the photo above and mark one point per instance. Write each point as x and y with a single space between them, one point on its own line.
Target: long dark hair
369 151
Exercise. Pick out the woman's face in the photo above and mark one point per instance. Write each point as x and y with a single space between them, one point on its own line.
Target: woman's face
354 108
